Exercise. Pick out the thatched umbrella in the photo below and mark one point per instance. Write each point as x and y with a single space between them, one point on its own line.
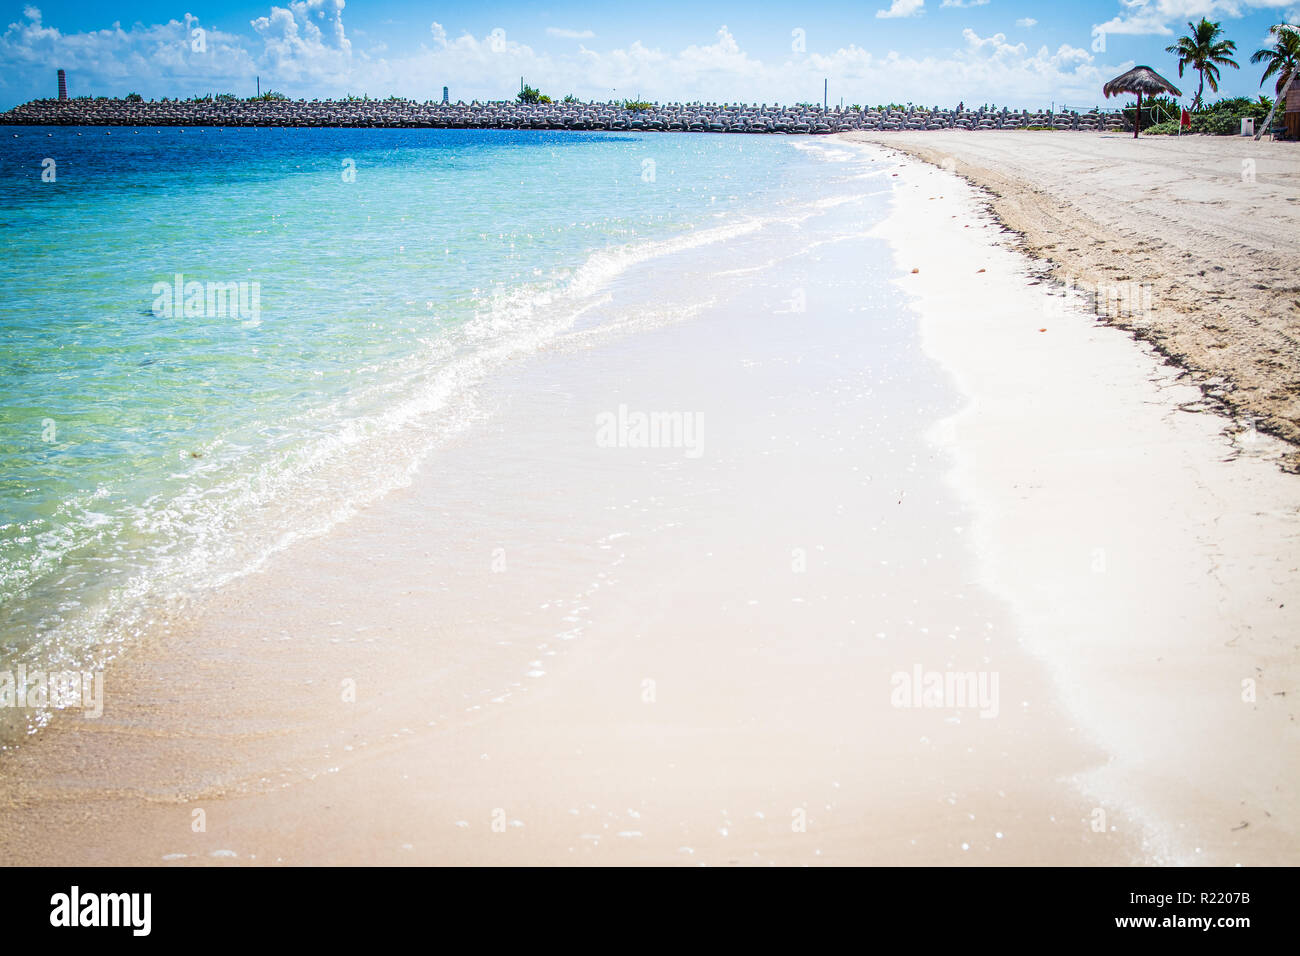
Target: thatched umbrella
1139 80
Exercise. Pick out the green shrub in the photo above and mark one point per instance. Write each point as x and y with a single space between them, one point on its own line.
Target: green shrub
1218 123
1168 128
1162 108
1224 124
1223 118
1242 106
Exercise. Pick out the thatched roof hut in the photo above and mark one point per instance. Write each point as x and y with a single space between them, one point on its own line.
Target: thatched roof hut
1140 80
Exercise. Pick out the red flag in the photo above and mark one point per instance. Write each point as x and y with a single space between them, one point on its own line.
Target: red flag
1187 120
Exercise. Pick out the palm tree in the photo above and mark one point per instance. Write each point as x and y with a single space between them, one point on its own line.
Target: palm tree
1283 58
1204 52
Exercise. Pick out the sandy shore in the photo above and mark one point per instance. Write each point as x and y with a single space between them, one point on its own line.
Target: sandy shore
547 650
1204 226
1149 549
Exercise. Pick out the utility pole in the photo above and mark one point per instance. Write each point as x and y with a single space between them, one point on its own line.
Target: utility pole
259 86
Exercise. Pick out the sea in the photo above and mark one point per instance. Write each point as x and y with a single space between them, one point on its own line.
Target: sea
217 342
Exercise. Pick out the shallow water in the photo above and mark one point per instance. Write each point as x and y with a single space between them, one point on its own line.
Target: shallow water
152 445
635 651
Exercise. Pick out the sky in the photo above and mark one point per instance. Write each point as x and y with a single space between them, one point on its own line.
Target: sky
1016 53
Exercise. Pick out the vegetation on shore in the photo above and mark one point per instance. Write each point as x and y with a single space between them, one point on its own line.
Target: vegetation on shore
1205 52
1282 59
1203 49
1221 118
532 96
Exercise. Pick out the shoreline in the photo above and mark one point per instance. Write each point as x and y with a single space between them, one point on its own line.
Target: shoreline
1145 500
1164 289
770 692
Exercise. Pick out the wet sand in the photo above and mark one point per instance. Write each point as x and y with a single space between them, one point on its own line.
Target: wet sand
553 649
1204 226
1146 543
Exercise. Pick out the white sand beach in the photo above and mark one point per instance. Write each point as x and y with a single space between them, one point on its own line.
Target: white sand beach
556 649
1147 544
1202 227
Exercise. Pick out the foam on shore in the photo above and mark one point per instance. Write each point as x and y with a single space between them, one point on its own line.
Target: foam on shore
561 645
1149 558
548 648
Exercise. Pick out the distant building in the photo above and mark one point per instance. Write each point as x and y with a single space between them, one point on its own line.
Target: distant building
63 85
1292 100
445 97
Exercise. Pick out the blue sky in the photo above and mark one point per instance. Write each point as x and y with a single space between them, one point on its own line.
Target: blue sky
1010 52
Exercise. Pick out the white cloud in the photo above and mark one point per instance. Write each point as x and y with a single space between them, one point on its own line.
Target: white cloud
296 48
113 59
1026 22
963 3
1133 26
302 49
994 46
1164 17
569 34
1067 57
902 8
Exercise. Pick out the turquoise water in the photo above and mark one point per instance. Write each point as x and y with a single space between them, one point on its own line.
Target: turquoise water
147 451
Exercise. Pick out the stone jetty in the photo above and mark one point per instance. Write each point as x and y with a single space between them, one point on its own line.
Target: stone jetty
613 116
